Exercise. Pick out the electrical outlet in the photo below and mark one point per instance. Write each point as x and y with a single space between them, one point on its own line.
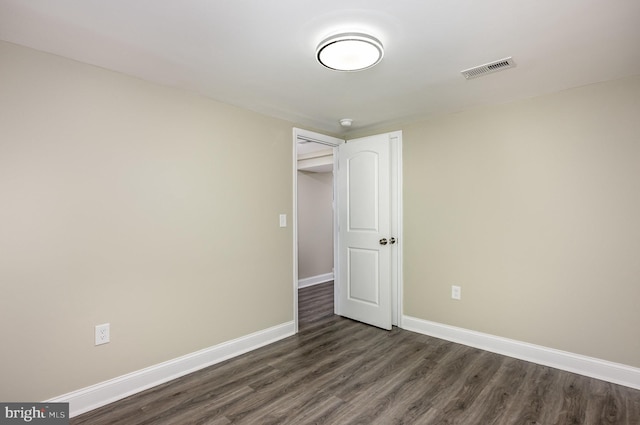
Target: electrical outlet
456 292
102 334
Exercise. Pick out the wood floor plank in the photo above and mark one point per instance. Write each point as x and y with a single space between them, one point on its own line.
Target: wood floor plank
605 406
536 401
383 393
498 395
315 303
477 378
574 399
461 407
316 413
405 400
338 371
633 405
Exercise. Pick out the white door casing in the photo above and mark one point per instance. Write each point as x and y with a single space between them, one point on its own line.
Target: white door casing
364 217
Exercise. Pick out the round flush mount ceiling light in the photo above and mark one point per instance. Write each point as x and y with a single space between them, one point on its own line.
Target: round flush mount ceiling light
349 52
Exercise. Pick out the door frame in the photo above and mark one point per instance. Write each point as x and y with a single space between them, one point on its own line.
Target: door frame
396 219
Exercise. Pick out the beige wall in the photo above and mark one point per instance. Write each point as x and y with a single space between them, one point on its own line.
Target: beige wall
315 224
533 208
130 203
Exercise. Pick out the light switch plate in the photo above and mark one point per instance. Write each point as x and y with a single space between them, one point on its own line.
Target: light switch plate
283 220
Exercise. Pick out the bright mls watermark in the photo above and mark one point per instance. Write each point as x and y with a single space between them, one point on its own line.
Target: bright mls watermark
34 413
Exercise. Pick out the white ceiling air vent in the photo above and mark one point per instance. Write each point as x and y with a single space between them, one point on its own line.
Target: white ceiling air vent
488 68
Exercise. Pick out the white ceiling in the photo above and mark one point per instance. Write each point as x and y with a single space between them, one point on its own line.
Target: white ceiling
259 54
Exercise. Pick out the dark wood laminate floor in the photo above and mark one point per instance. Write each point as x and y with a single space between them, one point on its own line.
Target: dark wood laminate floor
337 371
315 303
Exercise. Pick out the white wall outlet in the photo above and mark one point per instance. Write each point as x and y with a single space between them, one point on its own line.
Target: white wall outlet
103 334
283 220
456 292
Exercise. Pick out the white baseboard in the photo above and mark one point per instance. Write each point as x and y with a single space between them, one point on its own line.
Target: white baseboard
588 366
106 392
315 280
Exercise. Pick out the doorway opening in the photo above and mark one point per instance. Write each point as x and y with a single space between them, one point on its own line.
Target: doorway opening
314 225
367 200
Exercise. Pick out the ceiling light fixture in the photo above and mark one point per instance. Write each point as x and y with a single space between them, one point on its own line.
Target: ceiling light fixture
349 52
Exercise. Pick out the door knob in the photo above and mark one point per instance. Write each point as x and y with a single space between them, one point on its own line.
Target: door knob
383 241
392 241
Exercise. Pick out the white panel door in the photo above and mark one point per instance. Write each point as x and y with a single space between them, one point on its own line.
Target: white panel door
364 230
